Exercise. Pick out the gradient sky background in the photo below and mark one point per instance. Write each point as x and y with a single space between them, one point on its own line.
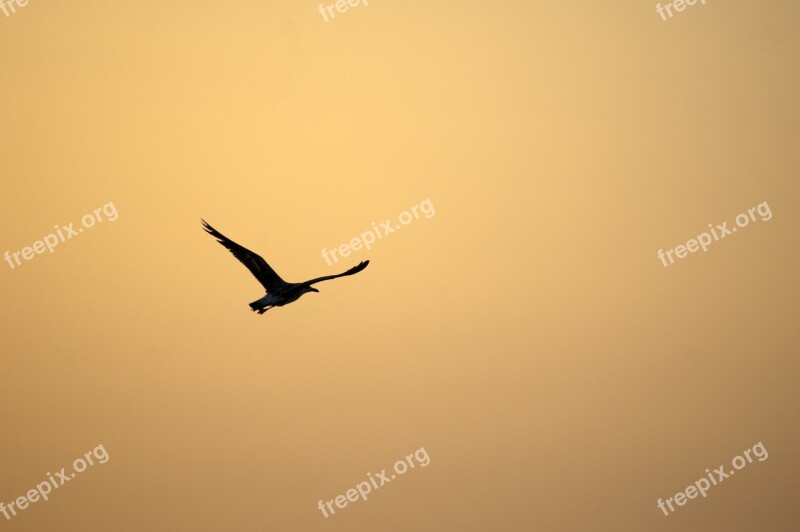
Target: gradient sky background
527 336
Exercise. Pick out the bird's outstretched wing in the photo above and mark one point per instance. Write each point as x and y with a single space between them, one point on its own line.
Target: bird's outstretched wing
351 271
254 262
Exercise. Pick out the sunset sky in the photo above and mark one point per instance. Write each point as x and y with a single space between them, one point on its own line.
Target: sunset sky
526 335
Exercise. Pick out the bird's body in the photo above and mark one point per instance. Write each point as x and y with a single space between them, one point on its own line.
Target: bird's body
279 292
292 293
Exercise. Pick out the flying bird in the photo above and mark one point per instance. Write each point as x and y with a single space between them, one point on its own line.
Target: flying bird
279 292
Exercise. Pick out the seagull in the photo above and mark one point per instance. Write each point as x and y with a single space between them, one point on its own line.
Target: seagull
279 292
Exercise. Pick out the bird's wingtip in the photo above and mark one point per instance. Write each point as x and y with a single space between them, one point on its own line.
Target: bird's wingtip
207 226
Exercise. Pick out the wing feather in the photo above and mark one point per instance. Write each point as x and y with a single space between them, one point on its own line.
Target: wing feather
351 271
254 262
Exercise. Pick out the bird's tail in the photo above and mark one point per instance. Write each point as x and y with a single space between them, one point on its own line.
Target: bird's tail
255 306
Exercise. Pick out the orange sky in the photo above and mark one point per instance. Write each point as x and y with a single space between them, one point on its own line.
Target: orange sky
526 336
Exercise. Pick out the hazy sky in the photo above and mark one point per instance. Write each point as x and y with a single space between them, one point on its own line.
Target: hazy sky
527 336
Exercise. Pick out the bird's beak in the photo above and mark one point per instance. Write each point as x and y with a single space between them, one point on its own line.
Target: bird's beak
314 290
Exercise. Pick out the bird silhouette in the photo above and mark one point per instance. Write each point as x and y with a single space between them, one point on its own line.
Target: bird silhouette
279 292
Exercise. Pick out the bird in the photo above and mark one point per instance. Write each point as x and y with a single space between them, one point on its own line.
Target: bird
279 292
